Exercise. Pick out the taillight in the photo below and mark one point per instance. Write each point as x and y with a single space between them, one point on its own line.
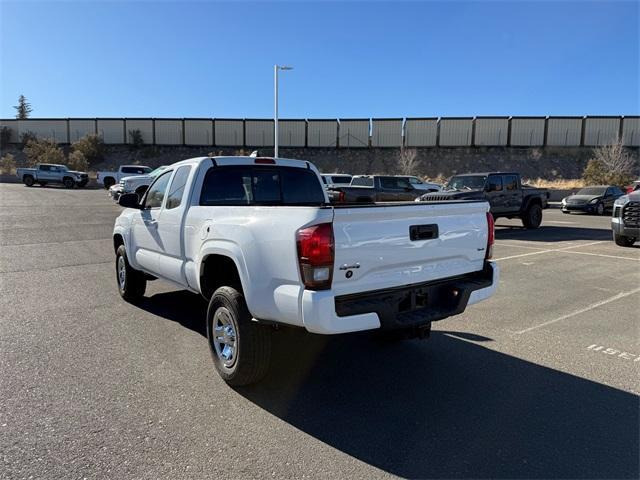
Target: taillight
491 236
341 197
315 256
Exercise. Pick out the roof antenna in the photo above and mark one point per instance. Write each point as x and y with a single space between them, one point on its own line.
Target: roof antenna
254 154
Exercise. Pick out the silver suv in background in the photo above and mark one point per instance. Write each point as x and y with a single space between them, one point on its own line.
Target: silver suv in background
45 173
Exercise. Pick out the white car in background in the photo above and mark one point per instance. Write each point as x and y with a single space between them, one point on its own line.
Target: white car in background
331 179
137 184
419 184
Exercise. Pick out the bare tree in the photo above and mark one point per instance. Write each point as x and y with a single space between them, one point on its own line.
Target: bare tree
610 164
407 160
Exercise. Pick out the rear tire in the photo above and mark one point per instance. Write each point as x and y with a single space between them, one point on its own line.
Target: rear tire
623 241
532 218
28 180
131 282
68 182
240 347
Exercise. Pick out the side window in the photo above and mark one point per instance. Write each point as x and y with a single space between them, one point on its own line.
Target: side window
44 168
415 181
494 183
156 192
176 190
511 182
402 183
389 183
617 191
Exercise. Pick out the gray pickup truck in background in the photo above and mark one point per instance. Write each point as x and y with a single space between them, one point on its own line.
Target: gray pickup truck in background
45 173
504 191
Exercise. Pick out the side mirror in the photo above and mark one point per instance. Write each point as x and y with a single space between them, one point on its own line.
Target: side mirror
129 200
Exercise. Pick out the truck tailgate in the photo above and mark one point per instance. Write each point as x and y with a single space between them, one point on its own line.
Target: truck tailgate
381 246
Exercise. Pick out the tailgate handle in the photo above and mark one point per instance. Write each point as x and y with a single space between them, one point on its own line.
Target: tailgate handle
423 232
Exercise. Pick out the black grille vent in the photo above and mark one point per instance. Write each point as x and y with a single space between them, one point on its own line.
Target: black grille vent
631 214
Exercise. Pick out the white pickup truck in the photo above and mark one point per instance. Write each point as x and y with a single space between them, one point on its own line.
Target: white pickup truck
259 240
110 178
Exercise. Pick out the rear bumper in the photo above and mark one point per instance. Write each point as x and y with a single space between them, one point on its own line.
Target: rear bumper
396 308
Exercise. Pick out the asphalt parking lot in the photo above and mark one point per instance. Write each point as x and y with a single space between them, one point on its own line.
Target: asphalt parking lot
539 381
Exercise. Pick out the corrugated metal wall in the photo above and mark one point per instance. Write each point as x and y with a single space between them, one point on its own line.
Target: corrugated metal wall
292 133
564 131
601 130
258 133
198 132
111 130
229 133
631 131
144 125
45 128
12 125
354 133
455 132
80 127
492 131
168 132
386 132
322 133
527 132
421 132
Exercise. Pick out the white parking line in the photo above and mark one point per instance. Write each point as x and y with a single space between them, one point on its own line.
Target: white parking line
582 310
501 244
549 250
560 221
607 256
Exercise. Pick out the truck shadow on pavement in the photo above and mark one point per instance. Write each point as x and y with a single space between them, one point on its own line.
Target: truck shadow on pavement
552 234
448 407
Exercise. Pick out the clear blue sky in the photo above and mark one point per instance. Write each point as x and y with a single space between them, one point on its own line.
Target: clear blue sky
356 59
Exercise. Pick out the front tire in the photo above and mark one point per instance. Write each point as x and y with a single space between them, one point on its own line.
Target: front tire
623 241
28 180
240 347
532 218
68 182
131 282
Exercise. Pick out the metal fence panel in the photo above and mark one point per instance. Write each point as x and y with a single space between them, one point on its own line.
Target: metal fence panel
455 132
564 131
386 132
229 133
81 127
354 133
258 133
601 130
144 125
292 133
12 125
168 132
492 131
631 131
111 130
45 128
322 133
198 132
421 132
527 132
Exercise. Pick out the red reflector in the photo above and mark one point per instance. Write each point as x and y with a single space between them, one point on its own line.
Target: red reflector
491 235
341 197
265 161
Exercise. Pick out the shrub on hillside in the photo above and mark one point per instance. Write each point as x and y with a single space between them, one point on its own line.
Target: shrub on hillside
26 137
7 163
77 161
610 165
43 151
135 139
91 147
5 136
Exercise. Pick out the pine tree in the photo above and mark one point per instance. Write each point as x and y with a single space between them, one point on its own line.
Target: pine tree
23 108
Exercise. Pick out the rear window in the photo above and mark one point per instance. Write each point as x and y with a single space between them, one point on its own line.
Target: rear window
341 180
362 181
136 170
249 185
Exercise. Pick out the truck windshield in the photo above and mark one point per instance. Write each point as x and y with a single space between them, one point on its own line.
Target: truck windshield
467 182
255 185
157 171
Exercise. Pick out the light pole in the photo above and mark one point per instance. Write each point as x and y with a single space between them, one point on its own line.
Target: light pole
276 68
